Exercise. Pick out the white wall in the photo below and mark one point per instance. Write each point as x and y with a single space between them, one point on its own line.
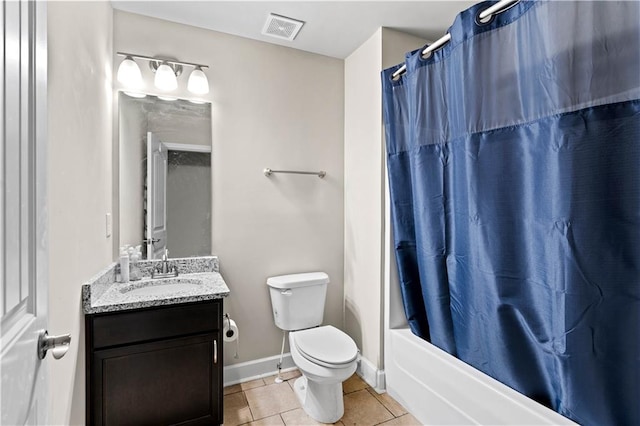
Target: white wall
272 107
363 197
364 188
80 173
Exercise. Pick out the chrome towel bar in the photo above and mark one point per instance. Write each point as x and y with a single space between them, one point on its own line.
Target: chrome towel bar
320 174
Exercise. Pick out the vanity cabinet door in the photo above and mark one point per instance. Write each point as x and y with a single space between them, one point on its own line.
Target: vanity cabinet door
155 366
159 383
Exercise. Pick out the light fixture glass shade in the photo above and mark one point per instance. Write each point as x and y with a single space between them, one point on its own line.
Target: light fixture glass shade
165 78
198 82
129 73
135 94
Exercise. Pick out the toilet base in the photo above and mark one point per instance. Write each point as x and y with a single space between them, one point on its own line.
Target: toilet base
322 402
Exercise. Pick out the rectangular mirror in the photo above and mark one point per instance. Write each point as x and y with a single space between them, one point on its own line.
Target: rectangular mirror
165 176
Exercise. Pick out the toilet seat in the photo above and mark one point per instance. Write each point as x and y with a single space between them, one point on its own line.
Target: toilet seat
326 346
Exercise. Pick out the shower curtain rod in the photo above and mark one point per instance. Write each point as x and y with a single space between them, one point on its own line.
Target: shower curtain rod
483 18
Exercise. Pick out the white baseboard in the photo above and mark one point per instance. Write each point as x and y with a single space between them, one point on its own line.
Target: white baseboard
264 367
256 369
370 374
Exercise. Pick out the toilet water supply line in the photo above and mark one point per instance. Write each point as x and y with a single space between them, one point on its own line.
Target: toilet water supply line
279 379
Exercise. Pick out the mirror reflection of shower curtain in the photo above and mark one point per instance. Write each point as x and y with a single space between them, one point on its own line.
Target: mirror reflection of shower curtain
514 168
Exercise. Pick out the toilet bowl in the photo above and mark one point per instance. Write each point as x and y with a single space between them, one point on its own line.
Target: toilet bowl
326 357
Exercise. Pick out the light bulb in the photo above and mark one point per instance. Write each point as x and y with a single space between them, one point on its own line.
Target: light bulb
165 78
198 82
129 73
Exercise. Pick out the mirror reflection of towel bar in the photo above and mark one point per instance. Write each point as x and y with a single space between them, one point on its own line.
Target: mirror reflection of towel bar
320 174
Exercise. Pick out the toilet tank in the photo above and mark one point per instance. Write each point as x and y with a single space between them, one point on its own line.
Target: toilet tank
297 300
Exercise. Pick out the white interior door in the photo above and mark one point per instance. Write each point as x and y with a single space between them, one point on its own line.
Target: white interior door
157 163
23 218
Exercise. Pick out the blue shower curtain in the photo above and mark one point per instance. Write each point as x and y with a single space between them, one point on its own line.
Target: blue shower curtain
513 157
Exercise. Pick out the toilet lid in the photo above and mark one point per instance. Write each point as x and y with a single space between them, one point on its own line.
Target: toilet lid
326 345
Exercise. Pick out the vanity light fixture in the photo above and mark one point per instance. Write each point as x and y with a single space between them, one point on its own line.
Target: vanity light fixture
129 73
166 78
198 82
166 72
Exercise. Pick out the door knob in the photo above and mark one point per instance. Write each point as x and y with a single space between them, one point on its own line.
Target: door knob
59 345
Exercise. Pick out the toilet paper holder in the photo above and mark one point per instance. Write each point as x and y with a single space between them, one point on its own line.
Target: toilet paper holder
230 333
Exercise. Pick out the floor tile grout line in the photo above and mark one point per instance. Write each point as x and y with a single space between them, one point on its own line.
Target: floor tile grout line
367 388
382 405
287 411
253 419
385 406
388 420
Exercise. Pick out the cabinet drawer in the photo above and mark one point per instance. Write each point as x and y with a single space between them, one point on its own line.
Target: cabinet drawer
121 328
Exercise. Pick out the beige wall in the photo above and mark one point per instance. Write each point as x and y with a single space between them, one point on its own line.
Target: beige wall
364 187
80 171
395 45
272 107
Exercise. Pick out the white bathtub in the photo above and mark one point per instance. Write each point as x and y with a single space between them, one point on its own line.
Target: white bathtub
439 389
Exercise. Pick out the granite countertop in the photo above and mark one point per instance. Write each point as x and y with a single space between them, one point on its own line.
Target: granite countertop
198 281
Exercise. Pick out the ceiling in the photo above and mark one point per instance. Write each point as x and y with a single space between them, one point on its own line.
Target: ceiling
332 28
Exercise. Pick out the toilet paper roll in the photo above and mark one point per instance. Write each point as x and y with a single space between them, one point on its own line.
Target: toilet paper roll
230 331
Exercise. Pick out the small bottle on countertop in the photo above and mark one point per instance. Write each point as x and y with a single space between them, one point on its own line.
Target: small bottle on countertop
124 265
134 267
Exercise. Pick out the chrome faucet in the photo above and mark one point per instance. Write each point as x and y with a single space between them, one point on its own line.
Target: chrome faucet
165 262
164 270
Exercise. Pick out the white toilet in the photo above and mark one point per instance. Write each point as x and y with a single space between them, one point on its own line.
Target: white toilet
325 356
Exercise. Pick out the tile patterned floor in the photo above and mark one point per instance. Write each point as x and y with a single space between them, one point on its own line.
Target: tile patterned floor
263 402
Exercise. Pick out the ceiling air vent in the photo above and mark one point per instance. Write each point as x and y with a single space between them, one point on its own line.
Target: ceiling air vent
282 27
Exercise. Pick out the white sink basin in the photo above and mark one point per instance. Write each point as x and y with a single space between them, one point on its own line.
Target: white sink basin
162 287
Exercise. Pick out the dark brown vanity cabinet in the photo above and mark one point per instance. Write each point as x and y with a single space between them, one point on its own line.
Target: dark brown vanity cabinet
155 366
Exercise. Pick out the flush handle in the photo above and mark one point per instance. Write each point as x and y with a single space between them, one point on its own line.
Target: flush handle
287 292
59 345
